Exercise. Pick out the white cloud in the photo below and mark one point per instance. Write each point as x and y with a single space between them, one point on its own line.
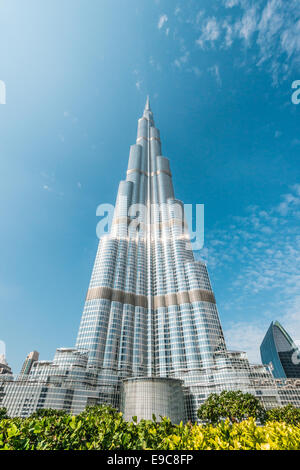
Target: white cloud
279 37
196 71
210 32
248 336
51 190
248 24
50 183
290 39
182 60
296 188
290 320
154 64
199 16
229 33
214 70
259 258
162 20
272 25
269 28
244 336
290 201
231 3
138 79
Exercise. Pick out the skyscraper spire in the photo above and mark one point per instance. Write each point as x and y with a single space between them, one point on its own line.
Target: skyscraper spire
148 115
147 106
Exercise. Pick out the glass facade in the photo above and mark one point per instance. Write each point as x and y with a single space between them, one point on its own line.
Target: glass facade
4 367
31 358
150 320
280 352
144 397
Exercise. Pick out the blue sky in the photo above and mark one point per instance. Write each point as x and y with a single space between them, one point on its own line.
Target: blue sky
219 74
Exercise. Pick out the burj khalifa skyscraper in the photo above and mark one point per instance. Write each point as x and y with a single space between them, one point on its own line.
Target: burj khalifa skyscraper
150 339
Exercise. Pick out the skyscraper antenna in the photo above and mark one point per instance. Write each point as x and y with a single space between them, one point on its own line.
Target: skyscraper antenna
147 107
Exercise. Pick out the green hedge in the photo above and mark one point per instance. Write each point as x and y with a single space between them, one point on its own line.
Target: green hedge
104 428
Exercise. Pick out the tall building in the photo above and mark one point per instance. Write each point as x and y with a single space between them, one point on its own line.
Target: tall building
150 310
4 367
280 352
28 363
150 339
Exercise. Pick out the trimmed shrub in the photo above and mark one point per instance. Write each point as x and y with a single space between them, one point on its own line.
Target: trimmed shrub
288 414
103 428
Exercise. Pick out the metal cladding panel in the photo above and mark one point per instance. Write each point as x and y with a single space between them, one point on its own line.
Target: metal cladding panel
165 186
155 150
142 128
135 157
163 163
154 132
125 189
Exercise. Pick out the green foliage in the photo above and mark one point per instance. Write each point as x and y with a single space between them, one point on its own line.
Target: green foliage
288 414
3 413
103 428
46 412
235 406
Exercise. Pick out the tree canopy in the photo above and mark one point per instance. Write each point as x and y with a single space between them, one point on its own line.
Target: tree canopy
233 405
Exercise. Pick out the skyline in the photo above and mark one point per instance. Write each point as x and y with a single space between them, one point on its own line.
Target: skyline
233 124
